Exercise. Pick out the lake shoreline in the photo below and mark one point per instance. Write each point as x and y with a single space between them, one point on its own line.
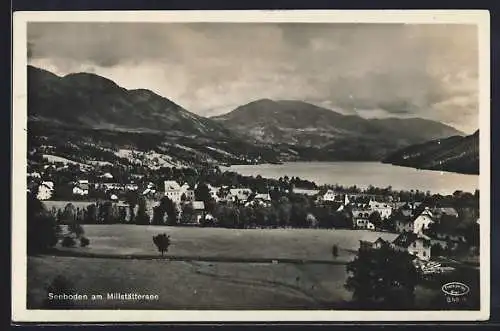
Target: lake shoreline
430 169
363 175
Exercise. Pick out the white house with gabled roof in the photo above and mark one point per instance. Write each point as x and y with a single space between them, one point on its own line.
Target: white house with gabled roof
330 195
45 190
173 191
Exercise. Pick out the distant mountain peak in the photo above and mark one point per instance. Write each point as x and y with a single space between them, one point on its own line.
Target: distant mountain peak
298 122
90 80
32 70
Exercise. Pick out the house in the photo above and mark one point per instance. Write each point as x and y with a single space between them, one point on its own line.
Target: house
112 186
383 208
45 190
187 194
403 224
199 210
439 212
415 244
34 174
81 188
360 219
330 195
378 243
131 187
198 205
449 232
361 213
362 223
107 175
150 190
308 192
214 192
173 191
137 176
239 194
262 199
423 221
416 224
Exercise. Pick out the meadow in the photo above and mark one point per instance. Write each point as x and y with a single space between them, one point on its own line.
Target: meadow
301 244
197 276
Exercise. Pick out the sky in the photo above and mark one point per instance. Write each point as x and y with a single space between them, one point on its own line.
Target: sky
372 70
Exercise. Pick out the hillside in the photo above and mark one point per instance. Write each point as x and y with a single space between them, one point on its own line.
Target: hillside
303 124
84 109
87 109
456 154
93 101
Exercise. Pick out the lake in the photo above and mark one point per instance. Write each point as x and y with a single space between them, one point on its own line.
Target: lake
363 174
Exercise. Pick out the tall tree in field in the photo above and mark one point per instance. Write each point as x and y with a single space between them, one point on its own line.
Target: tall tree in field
382 278
187 214
202 192
91 214
162 242
170 209
142 216
284 211
69 213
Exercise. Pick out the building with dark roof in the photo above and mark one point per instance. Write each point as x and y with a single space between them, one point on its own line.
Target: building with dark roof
417 245
366 244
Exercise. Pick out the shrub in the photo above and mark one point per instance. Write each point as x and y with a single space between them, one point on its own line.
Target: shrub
76 228
68 242
84 241
162 242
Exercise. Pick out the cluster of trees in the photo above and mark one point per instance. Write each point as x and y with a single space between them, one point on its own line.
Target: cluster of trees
44 232
382 279
95 213
385 279
284 212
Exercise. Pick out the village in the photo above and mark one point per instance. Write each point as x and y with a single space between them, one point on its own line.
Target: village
428 226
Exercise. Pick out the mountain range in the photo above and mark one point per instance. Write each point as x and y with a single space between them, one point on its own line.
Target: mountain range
89 105
304 124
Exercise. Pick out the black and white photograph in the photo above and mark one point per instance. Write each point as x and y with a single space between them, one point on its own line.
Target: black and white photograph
322 165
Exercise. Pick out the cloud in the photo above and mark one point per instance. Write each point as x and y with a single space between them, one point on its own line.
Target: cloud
393 69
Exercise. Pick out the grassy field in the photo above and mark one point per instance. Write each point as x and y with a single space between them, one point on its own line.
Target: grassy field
211 284
307 244
191 285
